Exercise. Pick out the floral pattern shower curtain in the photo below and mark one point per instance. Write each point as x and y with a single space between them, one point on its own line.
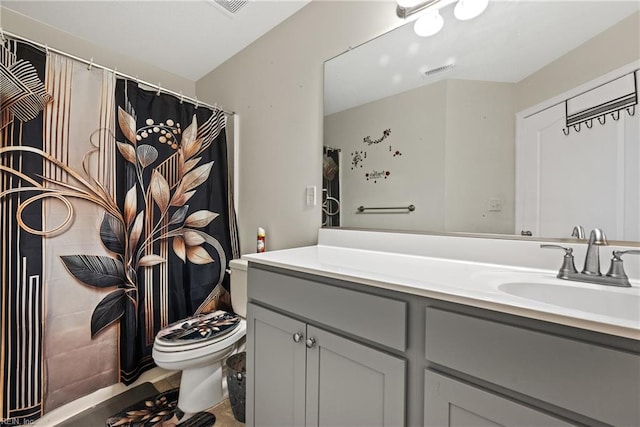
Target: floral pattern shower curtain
116 220
172 189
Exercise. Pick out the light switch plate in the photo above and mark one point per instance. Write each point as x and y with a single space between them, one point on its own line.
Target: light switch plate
311 195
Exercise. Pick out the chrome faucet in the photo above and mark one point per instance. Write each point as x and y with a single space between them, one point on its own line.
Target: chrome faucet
578 232
592 259
591 272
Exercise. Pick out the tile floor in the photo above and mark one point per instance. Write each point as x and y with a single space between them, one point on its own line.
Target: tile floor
223 412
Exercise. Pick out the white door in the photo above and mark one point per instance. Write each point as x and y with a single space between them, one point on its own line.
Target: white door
588 177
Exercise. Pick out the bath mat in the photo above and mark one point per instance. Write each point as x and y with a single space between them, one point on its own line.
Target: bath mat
160 410
96 415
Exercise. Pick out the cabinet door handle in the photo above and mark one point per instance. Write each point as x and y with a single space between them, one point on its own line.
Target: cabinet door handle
310 342
297 337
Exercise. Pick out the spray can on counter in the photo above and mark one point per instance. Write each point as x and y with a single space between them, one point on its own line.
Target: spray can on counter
261 245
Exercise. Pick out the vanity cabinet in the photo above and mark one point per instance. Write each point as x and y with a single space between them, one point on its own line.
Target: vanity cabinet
573 377
323 351
449 402
299 374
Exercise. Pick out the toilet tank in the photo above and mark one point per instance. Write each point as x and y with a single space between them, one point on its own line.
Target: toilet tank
239 286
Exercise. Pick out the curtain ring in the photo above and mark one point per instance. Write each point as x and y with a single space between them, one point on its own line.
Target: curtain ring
46 49
589 123
2 39
616 115
566 131
577 127
197 102
602 119
90 64
631 110
181 97
159 89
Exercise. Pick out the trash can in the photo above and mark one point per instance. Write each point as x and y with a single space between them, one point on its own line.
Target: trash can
237 383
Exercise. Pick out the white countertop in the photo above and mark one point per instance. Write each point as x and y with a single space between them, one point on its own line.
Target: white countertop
471 283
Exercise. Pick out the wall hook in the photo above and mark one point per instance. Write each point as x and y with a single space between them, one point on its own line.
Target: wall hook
564 130
577 127
589 123
602 119
90 64
631 110
616 115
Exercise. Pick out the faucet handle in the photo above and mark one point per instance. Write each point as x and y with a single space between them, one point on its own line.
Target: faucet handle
616 270
568 267
618 254
567 251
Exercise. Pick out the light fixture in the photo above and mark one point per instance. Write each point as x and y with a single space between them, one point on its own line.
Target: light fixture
430 22
409 3
469 9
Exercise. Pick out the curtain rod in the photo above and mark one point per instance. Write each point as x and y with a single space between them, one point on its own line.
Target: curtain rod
91 64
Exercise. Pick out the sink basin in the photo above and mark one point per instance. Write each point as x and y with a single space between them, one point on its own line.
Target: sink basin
621 303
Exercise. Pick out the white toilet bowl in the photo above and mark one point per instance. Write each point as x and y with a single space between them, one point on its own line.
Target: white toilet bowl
181 347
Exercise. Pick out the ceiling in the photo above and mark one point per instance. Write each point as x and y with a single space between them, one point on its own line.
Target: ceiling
188 38
508 42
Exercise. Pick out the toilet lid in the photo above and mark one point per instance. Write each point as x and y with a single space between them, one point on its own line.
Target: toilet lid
199 328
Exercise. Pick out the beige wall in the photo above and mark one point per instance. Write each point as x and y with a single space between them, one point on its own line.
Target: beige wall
276 86
480 157
418 126
40 32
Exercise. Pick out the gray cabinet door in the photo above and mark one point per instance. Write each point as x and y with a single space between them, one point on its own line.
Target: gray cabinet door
275 369
349 384
451 403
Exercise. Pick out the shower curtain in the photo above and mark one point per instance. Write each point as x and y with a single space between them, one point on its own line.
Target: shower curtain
172 188
116 220
331 187
22 69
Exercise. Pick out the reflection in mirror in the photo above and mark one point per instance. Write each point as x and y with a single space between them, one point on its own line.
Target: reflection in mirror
522 120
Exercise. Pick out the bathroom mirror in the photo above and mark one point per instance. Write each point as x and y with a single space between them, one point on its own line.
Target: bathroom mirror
478 128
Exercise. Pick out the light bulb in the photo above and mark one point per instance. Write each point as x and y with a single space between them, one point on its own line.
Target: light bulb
469 9
429 24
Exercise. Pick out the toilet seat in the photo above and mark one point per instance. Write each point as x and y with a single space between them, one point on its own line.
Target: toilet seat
198 330
173 353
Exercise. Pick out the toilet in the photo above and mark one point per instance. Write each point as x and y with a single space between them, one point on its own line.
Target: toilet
199 345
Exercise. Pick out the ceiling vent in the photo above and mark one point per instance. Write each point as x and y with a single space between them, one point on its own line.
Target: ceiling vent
231 6
441 69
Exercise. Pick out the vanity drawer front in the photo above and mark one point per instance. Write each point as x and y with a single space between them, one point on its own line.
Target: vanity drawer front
381 320
597 382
